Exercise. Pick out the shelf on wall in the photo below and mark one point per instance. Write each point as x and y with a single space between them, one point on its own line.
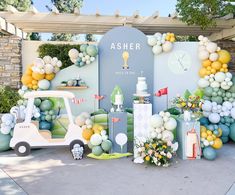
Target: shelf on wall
72 87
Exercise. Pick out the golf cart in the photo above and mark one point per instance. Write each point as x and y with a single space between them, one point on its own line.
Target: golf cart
27 135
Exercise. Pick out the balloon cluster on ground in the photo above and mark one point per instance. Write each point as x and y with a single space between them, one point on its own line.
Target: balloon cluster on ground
39 74
162 126
161 42
213 58
218 108
86 55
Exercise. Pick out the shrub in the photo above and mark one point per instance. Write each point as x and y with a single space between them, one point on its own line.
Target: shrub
59 50
8 98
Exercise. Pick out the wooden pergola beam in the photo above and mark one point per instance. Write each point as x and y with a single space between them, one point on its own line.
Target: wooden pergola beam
100 24
223 34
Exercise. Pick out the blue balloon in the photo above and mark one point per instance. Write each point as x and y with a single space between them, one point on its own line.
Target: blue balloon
44 125
224 139
209 153
232 132
225 130
210 127
204 121
4 142
216 132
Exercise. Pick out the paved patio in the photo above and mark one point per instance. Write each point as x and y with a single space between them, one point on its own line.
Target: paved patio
48 171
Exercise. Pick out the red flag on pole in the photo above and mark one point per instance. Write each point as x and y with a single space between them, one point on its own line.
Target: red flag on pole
98 97
115 120
161 92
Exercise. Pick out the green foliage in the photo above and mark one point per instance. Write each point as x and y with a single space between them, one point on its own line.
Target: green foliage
67 6
186 38
20 5
34 36
90 38
60 51
61 37
203 12
8 97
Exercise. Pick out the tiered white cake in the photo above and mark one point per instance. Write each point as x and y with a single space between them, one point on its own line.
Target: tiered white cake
141 87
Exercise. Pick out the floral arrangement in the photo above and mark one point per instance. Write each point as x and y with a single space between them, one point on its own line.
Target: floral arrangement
189 102
155 151
158 147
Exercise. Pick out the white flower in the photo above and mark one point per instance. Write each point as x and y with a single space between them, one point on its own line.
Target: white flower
139 160
175 146
169 155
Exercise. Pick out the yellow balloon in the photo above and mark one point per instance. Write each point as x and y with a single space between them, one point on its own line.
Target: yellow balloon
216 65
220 132
217 143
38 76
209 138
26 79
206 63
224 56
203 134
50 76
203 129
202 72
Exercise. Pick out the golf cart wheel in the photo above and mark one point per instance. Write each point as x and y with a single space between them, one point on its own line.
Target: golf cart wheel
74 142
22 149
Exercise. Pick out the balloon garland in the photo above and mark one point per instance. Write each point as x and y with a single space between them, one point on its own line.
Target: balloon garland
161 42
218 109
86 55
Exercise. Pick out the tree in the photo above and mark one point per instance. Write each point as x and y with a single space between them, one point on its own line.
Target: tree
65 6
203 12
34 36
18 4
90 38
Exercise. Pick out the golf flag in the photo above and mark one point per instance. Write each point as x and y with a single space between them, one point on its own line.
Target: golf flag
161 92
98 97
78 100
115 120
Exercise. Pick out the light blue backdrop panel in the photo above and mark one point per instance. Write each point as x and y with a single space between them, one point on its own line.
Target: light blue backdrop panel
111 72
177 70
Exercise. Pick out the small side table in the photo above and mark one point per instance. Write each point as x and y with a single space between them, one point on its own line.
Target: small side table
188 137
116 128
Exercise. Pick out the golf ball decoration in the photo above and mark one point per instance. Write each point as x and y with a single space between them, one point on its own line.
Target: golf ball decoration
161 42
77 152
86 55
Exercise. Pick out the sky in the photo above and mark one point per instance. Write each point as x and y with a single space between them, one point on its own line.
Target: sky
126 7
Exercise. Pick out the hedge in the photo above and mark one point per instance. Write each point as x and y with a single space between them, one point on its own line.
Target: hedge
57 50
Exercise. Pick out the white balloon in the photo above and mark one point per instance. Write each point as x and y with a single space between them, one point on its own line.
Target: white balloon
203 55
203 83
96 139
213 57
215 84
157 49
152 40
59 64
207 106
220 76
49 69
214 118
47 59
232 113
73 53
211 47
170 124
156 121
121 139
167 46
167 136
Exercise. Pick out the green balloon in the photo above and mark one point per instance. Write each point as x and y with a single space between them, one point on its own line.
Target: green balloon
232 132
216 89
217 99
46 105
224 139
90 145
4 142
232 89
209 153
37 102
83 47
208 91
97 150
228 94
48 118
92 50
106 145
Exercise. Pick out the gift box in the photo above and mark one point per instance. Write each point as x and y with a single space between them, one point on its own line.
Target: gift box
188 137
117 124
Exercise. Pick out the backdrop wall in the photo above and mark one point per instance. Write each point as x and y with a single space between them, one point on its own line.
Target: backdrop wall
88 73
177 70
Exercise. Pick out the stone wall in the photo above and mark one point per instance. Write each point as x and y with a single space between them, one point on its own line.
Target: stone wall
229 46
10 61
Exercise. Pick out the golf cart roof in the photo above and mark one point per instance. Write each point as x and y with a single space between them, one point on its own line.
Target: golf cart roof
57 94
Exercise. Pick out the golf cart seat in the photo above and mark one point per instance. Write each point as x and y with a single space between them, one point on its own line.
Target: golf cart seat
45 133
